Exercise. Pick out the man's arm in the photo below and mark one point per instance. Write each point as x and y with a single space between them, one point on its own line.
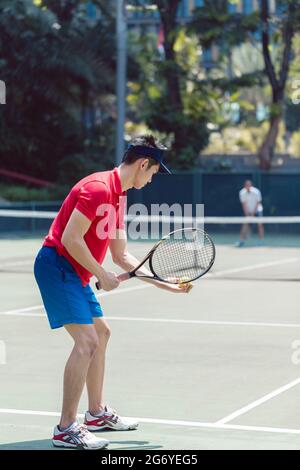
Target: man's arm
243 201
259 200
74 242
256 207
126 261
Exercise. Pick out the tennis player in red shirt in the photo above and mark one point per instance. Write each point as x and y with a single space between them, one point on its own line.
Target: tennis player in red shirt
72 253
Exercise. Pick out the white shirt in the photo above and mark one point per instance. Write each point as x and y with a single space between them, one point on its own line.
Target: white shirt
251 198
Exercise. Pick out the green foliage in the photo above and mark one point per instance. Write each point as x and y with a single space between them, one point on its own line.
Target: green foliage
54 62
294 147
205 98
96 157
57 65
185 129
18 193
275 110
292 116
215 25
243 140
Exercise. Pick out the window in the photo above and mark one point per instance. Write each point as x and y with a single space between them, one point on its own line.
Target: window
232 6
248 6
235 6
198 3
91 10
207 59
183 9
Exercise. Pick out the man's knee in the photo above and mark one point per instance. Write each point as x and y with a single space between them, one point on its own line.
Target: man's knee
87 345
103 330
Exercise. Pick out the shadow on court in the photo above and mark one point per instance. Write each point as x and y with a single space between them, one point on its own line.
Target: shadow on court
42 444
46 444
134 445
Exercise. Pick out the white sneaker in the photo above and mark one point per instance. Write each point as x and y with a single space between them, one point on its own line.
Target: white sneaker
108 419
77 436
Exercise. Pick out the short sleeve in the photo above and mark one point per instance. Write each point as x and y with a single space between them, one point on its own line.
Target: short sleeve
258 196
90 197
242 196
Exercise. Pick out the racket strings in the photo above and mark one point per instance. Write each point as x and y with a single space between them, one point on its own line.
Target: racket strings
185 254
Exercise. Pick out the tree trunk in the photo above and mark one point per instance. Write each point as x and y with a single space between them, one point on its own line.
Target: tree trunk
172 78
168 13
266 151
277 83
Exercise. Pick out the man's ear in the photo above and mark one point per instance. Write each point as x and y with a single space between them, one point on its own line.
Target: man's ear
144 163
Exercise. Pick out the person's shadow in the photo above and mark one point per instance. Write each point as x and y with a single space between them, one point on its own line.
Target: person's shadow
46 444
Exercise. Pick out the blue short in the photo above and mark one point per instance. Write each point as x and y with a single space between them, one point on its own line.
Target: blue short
65 299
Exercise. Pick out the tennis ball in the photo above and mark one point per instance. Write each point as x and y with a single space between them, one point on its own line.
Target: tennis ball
183 283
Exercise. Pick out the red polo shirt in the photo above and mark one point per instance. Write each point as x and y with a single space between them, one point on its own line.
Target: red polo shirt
100 198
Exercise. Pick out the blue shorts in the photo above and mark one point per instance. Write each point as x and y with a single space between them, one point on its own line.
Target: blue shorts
65 299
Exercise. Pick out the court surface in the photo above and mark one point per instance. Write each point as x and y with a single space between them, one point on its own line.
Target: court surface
216 369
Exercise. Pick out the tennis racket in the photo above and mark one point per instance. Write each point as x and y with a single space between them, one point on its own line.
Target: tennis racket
180 257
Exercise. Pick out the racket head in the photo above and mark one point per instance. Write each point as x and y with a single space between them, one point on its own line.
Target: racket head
182 256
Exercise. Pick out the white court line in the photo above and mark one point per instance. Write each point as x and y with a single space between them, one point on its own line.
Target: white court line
23 311
169 422
121 291
254 266
259 402
205 322
212 274
171 320
12 264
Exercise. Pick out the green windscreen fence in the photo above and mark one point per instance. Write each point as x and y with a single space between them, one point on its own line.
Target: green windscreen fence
281 193
219 192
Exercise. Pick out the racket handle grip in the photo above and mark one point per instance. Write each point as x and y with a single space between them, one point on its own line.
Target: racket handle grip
122 277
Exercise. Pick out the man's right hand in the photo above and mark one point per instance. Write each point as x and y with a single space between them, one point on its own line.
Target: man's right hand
108 281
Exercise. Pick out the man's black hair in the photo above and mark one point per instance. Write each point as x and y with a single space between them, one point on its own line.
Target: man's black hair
148 140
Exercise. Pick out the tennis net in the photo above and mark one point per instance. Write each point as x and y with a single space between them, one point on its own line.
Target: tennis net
278 231
276 257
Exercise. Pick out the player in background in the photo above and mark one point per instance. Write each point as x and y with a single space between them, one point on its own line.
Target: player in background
251 201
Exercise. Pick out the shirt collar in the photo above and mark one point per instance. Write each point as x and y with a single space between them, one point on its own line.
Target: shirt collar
116 182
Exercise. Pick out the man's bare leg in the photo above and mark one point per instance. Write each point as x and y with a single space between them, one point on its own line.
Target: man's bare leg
86 344
95 374
244 231
261 231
